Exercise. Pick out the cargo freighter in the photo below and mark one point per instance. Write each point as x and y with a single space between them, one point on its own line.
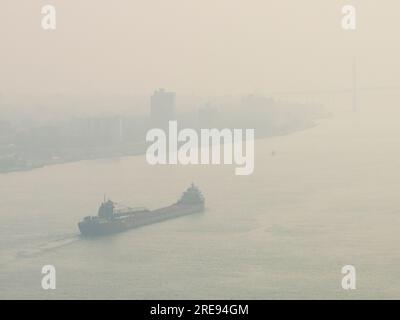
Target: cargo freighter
110 219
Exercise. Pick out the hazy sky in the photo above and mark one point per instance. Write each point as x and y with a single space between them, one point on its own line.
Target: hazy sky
196 46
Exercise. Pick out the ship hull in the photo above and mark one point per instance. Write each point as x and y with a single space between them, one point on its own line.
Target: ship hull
94 228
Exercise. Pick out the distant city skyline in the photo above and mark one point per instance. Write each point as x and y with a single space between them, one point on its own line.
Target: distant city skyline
162 107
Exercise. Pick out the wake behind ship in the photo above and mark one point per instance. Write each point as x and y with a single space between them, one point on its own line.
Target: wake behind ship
112 220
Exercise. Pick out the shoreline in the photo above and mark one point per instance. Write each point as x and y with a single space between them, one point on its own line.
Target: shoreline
138 150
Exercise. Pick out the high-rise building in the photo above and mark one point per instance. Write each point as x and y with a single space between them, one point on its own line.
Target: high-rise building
162 108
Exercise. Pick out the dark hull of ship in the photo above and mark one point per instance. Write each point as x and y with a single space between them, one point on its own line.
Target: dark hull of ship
97 228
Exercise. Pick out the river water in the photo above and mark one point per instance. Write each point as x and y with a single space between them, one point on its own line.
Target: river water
318 200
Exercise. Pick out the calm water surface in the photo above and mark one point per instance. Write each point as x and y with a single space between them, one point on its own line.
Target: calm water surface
318 200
